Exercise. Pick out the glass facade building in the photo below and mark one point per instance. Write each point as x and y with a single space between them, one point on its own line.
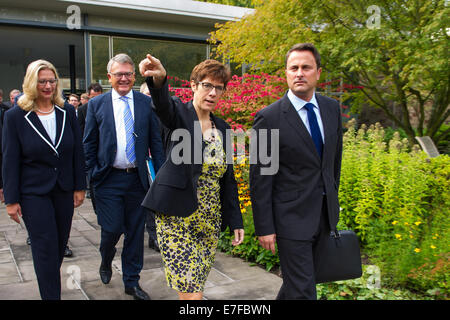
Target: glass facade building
79 37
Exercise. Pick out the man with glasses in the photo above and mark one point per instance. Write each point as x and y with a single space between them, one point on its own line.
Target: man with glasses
74 100
120 130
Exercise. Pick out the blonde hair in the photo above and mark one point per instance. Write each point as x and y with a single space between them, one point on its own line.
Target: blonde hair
30 83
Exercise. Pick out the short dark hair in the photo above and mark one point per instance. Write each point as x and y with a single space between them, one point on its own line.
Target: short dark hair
95 87
304 47
73 95
211 68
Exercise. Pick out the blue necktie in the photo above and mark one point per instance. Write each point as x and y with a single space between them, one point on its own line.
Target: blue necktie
314 128
129 128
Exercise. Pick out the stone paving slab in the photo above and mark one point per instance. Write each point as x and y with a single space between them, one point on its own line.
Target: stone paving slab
231 278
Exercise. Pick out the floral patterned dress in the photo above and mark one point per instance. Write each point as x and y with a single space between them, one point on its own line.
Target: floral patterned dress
188 244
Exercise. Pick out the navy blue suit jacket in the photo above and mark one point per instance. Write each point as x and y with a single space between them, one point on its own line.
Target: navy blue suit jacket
100 141
32 164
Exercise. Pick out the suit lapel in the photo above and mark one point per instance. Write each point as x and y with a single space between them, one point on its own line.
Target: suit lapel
326 121
222 130
292 117
36 124
107 109
60 125
198 138
138 116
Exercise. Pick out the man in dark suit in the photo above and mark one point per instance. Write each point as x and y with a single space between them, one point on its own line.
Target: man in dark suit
299 203
94 89
120 130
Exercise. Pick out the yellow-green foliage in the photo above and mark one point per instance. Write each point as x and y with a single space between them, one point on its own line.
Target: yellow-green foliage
398 203
396 199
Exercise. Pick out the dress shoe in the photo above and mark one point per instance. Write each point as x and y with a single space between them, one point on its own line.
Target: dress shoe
68 252
137 293
29 241
105 273
153 244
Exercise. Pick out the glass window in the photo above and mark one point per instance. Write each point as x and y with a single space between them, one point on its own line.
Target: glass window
179 58
100 58
22 45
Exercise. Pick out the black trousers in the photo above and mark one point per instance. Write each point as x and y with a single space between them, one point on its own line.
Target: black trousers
297 263
48 219
150 224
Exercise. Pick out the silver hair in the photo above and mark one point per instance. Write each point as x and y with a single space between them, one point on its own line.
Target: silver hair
120 58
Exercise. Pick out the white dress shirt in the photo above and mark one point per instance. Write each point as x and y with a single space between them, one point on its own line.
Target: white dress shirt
121 160
303 113
49 123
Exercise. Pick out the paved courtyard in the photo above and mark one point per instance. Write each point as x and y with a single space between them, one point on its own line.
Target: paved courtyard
230 279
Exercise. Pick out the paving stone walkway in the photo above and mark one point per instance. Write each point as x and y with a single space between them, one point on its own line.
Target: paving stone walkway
230 279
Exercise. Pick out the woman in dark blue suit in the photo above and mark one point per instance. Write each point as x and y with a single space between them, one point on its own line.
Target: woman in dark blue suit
43 170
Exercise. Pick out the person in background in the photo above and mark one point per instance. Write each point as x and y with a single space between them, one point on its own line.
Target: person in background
150 224
195 199
74 100
94 89
3 109
2 105
43 170
84 98
121 130
12 96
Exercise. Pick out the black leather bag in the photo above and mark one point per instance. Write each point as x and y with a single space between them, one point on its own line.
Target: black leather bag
337 257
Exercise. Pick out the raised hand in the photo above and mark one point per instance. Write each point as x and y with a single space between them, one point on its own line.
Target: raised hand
152 67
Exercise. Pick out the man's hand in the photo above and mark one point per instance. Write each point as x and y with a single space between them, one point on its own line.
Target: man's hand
268 242
152 67
238 237
14 211
78 198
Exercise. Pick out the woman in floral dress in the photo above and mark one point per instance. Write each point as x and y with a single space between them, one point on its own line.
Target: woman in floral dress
194 193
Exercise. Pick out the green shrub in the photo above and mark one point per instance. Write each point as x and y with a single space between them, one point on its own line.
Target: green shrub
398 202
396 199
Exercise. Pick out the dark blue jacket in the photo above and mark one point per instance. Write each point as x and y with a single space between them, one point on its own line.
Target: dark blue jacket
100 141
32 164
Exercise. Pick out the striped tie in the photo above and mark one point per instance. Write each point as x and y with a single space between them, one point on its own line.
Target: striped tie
129 128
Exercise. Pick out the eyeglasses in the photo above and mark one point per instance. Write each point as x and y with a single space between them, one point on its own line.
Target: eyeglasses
119 75
208 87
44 82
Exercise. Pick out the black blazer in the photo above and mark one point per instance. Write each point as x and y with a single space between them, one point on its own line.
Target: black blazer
289 203
174 191
32 164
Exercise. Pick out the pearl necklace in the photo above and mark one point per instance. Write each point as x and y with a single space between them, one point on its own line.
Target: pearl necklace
46 112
